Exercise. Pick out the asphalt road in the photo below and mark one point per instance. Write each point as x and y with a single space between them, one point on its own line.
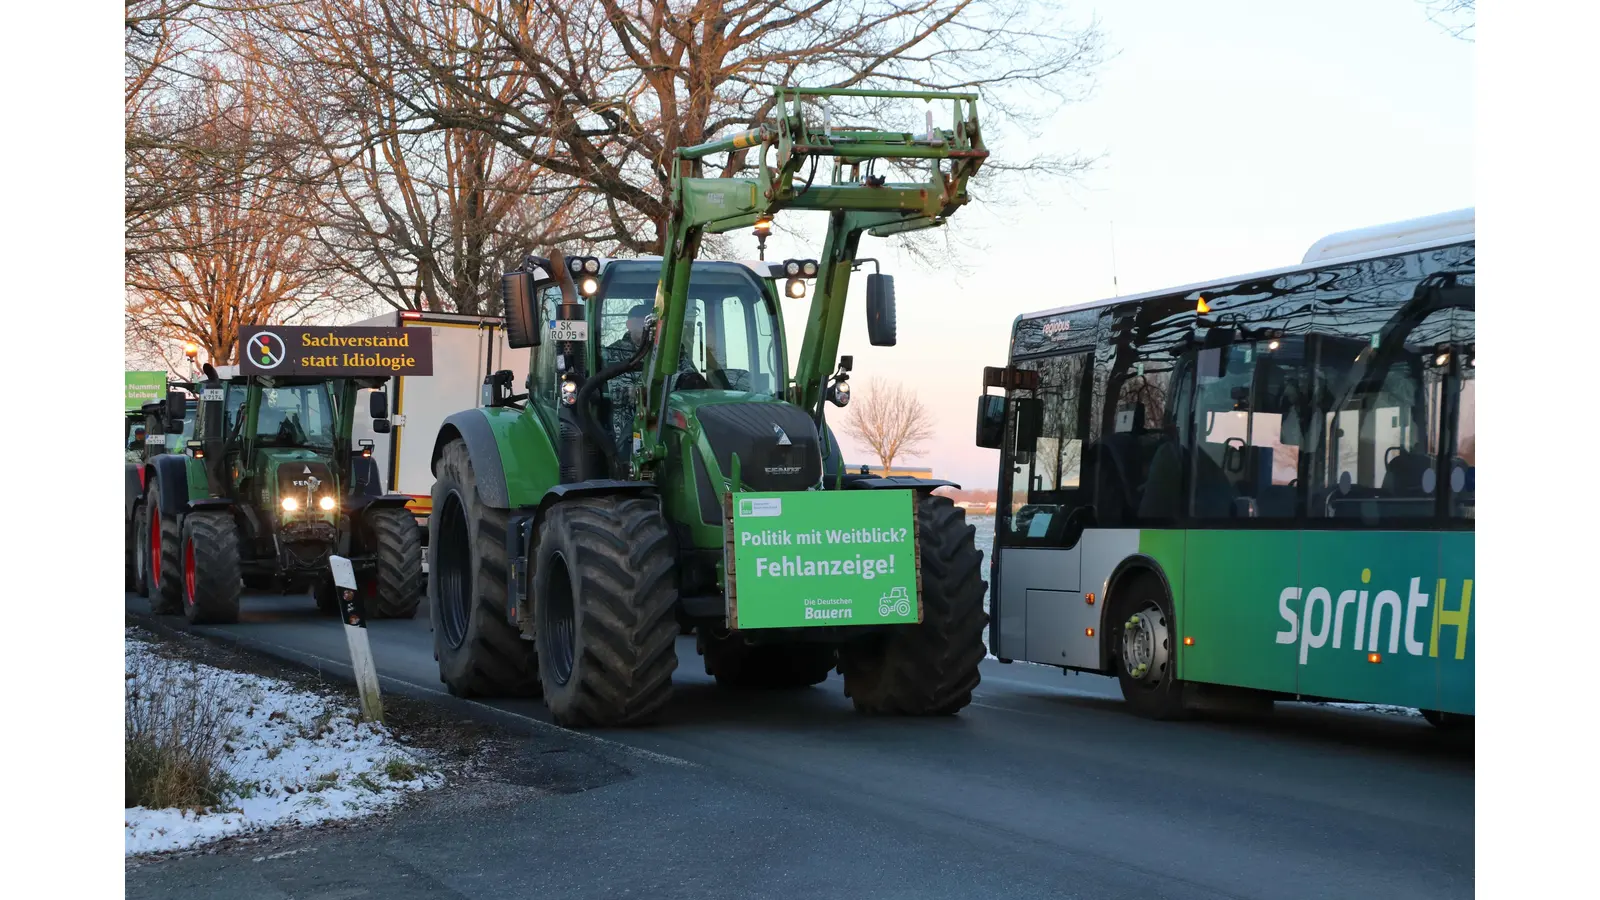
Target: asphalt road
1043 787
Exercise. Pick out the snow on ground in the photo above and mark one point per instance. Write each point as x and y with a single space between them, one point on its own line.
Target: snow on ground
294 758
1378 708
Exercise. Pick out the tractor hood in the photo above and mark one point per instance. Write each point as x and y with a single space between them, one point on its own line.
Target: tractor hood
776 442
303 475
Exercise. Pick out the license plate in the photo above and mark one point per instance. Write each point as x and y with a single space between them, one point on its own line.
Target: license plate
571 330
211 394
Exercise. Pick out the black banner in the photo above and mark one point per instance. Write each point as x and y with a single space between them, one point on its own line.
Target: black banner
334 351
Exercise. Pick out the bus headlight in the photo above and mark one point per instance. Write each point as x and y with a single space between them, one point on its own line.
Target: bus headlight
327 503
290 504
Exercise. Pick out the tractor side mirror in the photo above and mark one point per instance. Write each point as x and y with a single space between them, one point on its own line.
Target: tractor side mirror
1030 422
379 405
880 310
177 405
991 420
521 313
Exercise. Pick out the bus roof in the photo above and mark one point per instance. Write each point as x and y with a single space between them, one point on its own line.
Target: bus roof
1348 246
1454 226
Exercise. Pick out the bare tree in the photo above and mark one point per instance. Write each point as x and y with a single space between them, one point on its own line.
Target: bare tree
233 249
1457 17
423 216
889 421
600 93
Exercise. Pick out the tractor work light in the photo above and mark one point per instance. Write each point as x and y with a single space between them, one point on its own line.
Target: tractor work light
809 268
796 288
791 267
592 266
326 503
569 392
840 394
588 286
290 504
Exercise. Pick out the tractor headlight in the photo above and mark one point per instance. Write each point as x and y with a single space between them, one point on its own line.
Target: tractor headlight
290 504
841 394
588 285
796 289
327 503
569 392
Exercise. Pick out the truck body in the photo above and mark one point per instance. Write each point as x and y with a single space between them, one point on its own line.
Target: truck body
466 349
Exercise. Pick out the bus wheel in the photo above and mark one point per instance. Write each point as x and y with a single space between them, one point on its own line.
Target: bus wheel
1144 650
1447 722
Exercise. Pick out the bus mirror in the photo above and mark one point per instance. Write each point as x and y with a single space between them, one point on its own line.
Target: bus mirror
880 310
1030 422
521 314
991 420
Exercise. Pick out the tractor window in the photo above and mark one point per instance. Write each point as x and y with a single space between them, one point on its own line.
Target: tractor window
298 416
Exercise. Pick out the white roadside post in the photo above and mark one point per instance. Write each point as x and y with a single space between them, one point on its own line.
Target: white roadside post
355 632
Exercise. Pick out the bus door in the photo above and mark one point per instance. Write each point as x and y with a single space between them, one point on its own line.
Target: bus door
1043 509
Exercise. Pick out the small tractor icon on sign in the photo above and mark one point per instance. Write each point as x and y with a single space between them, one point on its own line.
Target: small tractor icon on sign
896 602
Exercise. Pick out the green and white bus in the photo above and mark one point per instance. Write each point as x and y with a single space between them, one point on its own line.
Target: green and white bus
1256 488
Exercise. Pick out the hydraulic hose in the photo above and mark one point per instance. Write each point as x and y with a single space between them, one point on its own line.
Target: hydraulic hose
586 419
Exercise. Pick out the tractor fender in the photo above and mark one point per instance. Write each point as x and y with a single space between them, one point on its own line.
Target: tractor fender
133 480
893 482
592 486
211 503
489 474
168 474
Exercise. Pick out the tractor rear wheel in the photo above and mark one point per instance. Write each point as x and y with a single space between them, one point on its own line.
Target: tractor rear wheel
736 664
141 551
480 651
928 669
398 546
166 558
605 599
211 580
130 554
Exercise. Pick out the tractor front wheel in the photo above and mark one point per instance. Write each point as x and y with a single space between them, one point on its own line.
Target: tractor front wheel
605 597
480 651
928 669
165 542
735 664
211 579
398 546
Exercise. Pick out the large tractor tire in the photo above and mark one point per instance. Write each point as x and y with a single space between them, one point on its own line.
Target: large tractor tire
605 597
141 551
928 669
211 578
1142 634
481 653
165 543
735 664
398 546
130 555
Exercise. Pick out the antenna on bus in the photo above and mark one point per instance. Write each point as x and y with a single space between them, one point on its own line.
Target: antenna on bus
1115 292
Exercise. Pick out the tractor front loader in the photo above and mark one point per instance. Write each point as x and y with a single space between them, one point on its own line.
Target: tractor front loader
661 444
266 489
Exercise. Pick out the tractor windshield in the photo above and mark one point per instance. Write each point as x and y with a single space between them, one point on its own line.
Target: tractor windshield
298 416
730 331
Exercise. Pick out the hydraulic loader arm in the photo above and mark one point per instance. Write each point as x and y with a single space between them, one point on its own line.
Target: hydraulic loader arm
788 154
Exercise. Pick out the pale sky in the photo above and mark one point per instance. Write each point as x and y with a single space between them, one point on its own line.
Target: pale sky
1234 133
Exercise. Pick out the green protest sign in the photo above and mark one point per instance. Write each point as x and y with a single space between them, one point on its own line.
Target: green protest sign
145 387
808 558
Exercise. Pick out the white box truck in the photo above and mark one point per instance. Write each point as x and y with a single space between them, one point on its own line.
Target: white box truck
465 350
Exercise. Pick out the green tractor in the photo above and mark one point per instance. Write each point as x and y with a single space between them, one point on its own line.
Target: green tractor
578 527
151 430
265 490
